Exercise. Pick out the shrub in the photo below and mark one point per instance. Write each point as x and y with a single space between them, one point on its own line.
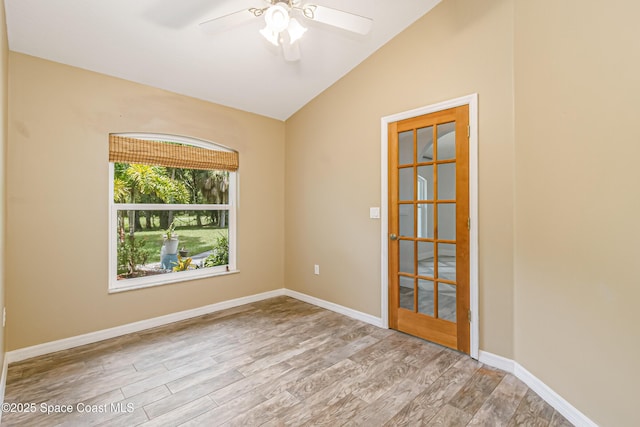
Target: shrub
131 253
220 254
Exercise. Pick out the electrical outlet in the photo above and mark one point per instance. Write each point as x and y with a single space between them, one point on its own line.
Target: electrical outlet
316 269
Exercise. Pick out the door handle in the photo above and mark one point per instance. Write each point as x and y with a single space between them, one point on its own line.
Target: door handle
393 236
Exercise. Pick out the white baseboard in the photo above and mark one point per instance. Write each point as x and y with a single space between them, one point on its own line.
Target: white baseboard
571 413
358 315
67 343
497 361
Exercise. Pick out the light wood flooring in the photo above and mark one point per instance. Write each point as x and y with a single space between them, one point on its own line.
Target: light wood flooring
273 363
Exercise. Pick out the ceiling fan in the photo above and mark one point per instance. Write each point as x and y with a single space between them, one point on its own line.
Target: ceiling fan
282 27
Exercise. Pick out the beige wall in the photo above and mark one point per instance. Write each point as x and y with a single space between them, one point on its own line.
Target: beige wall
4 53
333 159
57 197
577 86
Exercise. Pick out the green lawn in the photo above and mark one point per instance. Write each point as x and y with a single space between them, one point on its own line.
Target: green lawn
195 240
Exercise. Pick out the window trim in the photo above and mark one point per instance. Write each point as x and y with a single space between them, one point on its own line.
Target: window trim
114 285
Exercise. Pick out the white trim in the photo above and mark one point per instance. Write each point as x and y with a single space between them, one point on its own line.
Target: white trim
232 233
384 222
169 279
167 207
570 412
472 102
566 409
92 337
497 361
111 237
354 314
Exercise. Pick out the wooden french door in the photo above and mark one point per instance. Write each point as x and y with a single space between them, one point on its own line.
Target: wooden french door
429 227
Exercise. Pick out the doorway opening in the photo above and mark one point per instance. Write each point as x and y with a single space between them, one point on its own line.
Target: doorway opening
422 206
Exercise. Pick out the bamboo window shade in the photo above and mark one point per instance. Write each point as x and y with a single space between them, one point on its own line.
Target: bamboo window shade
158 153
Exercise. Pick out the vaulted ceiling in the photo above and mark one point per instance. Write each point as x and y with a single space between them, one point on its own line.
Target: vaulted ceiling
159 43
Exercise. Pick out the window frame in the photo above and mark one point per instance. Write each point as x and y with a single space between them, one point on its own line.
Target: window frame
115 285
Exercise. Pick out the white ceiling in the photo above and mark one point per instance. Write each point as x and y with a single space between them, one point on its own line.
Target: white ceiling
159 43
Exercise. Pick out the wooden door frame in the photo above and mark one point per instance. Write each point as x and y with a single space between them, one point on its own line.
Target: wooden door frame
472 102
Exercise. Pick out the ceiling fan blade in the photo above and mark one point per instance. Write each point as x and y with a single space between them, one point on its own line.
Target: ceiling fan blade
226 22
338 18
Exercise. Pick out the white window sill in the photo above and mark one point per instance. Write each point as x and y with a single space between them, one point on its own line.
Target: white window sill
116 286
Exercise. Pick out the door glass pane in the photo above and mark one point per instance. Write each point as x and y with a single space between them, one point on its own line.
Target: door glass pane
447 181
425 182
405 147
425 220
447 302
447 221
407 257
406 292
405 219
425 259
447 261
405 182
425 144
425 297
446 146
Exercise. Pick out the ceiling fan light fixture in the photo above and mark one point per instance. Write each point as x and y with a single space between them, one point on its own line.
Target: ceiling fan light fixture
277 18
271 36
283 30
295 30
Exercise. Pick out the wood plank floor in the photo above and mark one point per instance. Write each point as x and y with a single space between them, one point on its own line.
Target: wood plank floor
274 363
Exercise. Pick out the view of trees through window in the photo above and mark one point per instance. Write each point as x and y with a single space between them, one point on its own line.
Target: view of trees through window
170 219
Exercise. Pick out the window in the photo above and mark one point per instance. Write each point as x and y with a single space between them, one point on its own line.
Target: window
172 210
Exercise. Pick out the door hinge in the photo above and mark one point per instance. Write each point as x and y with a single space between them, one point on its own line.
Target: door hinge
468 131
469 223
469 315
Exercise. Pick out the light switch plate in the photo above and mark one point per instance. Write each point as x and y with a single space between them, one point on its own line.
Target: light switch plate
374 213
